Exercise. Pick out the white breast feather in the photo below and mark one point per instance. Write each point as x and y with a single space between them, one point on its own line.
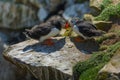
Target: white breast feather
76 30
53 32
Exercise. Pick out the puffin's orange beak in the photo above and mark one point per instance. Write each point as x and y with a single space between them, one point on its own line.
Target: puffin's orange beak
67 25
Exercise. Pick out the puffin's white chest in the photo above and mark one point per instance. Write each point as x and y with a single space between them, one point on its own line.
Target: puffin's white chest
76 30
53 32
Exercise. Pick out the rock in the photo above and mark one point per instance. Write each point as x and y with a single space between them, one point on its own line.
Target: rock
76 10
88 17
42 14
7 70
69 3
2 42
111 71
115 2
28 12
115 29
49 62
11 36
3 37
14 16
115 20
18 37
52 5
95 4
102 25
31 3
49 8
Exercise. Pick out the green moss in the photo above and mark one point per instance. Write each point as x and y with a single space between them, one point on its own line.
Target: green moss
111 10
88 69
92 71
105 37
103 47
102 76
116 31
105 3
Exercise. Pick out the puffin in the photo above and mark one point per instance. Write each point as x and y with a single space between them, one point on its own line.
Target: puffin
45 31
85 29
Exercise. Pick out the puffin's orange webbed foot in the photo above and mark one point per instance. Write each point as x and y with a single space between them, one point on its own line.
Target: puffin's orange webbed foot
78 39
48 42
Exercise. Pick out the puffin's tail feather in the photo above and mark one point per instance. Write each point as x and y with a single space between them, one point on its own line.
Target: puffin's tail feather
27 32
99 32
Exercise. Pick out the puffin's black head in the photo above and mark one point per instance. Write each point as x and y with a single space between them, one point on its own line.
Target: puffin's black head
75 20
57 24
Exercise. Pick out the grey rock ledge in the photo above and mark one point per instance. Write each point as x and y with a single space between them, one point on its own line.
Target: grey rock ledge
47 62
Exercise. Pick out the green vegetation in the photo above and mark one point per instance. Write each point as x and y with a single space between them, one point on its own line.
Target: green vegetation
88 70
105 3
92 71
111 10
105 37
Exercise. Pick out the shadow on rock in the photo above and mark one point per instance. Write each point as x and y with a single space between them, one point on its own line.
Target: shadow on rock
87 46
38 47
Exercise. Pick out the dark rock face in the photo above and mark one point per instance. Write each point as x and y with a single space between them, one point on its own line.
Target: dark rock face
9 71
10 16
76 10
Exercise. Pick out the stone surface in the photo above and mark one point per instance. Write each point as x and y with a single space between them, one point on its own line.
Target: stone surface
111 71
9 71
52 5
42 13
50 62
50 8
45 8
102 25
14 16
32 3
69 3
3 37
95 4
76 10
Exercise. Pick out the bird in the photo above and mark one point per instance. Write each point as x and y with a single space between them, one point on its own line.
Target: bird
85 29
43 32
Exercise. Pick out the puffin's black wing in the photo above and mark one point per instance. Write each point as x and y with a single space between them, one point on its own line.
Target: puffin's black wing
92 25
87 29
40 30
